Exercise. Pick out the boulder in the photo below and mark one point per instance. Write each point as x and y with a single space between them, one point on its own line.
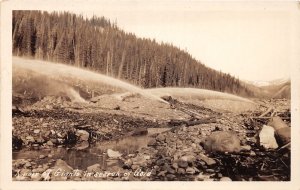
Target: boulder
222 141
182 163
42 156
190 170
277 123
36 131
161 138
188 158
267 137
202 177
160 162
27 165
170 177
30 139
225 179
18 163
83 135
36 177
181 171
283 135
49 143
246 147
135 167
113 154
152 142
40 140
49 107
282 130
171 170
207 160
162 173
175 165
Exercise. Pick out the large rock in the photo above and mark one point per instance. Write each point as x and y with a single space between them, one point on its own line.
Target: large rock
202 177
152 142
282 130
225 179
83 135
170 177
30 139
267 137
113 154
50 143
28 165
222 141
161 138
36 177
207 160
277 123
36 131
182 163
171 170
283 135
190 170
188 158
18 163
181 171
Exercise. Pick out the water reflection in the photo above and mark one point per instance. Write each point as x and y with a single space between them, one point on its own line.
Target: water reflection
96 154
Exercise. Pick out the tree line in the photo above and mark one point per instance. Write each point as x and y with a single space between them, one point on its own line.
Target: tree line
99 45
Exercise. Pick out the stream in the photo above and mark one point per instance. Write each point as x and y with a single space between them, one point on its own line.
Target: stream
95 154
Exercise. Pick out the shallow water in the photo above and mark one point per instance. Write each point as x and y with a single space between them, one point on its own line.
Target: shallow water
96 154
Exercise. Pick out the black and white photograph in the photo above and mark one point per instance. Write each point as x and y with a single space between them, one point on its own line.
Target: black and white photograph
151 91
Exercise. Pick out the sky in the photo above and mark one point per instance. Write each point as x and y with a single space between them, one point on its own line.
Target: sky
251 41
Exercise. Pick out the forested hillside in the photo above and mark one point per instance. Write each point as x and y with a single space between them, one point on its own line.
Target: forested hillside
99 45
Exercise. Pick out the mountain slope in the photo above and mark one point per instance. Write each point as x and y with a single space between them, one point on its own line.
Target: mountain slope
280 88
99 45
284 92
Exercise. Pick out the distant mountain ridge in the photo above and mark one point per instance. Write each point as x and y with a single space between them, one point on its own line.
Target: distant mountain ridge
279 88
271 82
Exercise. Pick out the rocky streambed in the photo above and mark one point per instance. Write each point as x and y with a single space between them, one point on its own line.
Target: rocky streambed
84 142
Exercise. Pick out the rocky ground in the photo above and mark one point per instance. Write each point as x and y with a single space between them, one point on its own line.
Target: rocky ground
185 152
